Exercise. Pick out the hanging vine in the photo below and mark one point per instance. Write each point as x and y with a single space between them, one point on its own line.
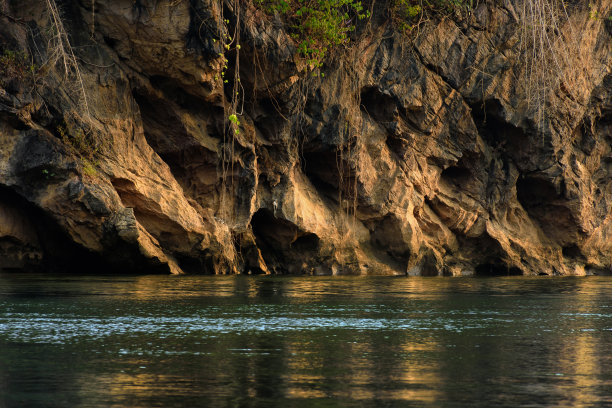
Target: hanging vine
550 47
233 106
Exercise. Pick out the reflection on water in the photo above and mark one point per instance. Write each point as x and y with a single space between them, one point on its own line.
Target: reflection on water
304 341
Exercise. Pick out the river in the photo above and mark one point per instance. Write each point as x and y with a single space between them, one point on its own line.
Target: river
238 341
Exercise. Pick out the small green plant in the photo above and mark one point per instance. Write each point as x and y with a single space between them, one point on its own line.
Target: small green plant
595 14
16 65
318 25
272 6
82 144
47 175
89 168
409 14
235 123
406 14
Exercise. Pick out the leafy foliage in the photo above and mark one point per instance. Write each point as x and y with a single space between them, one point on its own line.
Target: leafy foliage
235 123
16 65
408 14
318 25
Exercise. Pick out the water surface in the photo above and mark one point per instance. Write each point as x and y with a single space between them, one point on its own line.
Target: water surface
304 341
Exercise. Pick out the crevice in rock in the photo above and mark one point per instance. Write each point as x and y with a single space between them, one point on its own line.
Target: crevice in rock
543 200
398 147
321 168
148 213
463 177
195 169
456 175
268 120
201 34
386 235
384 109
127 257
438 71
111 42
379 106
504 136
193 165
185 97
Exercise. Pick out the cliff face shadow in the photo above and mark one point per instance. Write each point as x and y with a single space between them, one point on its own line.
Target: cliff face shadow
282 243
496 270
34 242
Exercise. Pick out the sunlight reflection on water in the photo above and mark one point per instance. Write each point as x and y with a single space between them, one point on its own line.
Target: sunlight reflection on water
303 341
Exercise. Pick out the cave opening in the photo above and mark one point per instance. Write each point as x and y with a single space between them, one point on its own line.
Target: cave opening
281 242
380 107
60 254
456 175
307 242
533 192
281 235
571 251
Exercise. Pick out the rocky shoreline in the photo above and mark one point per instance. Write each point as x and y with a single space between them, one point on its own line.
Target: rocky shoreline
404 155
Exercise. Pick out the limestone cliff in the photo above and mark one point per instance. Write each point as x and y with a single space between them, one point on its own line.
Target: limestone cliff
413 154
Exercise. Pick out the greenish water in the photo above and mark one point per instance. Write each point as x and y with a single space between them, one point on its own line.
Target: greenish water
199 341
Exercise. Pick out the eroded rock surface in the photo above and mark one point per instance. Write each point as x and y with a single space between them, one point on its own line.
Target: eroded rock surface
413 156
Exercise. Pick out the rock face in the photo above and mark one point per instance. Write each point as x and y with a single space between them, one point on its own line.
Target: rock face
411 155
